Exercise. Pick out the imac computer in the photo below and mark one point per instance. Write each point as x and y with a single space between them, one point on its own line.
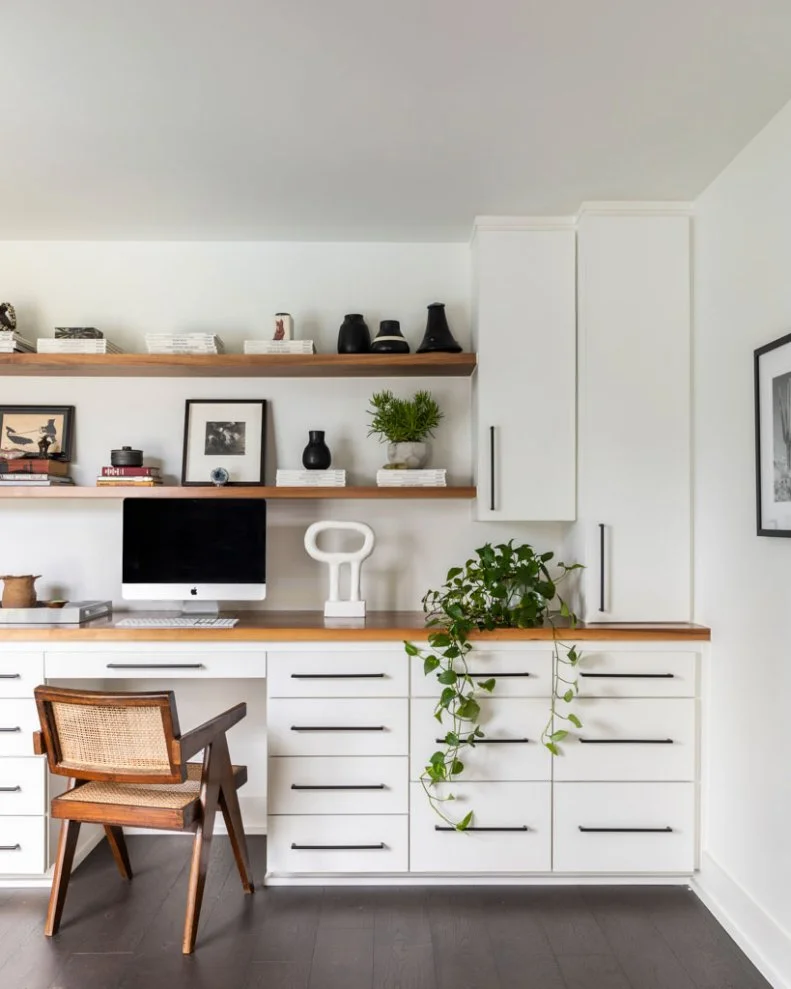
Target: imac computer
197 550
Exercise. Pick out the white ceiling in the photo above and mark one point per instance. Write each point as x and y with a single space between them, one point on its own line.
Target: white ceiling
370 119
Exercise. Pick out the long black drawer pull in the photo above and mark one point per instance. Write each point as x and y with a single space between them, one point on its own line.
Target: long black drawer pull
337 786
11 848
442 827
629 676
341 848
155 666
10 676
10 789
625 830
499 676
626 741
492 499
493 741
11 731
337 727
337 676
602 567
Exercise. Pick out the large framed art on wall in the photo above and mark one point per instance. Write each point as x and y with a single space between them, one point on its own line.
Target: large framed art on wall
773 437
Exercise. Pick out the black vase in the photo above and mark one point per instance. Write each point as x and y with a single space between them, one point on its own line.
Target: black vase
316 455
438 338
389 339
354 336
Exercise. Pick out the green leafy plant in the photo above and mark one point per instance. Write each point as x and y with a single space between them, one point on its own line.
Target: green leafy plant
403 420
502 586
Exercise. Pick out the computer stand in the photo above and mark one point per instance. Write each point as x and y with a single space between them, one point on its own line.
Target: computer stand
208 608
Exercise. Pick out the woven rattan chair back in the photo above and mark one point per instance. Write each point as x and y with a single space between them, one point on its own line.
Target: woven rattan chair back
93 735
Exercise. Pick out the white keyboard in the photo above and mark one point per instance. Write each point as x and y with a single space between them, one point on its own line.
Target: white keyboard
177 623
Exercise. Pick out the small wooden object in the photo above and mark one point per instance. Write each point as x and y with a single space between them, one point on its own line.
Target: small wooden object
19 592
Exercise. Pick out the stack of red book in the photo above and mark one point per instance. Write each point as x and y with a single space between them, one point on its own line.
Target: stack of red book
145 477
34 472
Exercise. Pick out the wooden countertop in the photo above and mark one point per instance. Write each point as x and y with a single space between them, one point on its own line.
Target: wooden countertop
311 626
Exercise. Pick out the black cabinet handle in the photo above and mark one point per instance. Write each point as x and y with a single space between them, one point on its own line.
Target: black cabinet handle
11 848
442 827
629 676
626 741
336 786
342 848
155 666
10 789
625 830
10 676
601 566
492 741
11 731
499 676
492 501
337 676
337 727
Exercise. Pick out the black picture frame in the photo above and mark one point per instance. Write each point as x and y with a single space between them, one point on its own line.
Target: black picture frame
236 446
44 413
766 469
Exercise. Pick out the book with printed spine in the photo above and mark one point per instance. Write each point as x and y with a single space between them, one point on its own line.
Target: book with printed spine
33 481
68 345
310 479
427 478
34 465
130 472
127 482
78 333
253 347
12 342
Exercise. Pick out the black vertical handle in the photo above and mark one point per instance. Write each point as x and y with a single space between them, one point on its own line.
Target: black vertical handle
601 566
491 469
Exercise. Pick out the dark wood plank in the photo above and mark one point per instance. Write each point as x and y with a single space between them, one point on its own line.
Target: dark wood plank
278 975
402 965
463 954
570 925
94 970
593 972
290 923
342 959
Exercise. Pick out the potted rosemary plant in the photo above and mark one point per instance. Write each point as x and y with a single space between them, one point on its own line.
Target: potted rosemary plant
404 424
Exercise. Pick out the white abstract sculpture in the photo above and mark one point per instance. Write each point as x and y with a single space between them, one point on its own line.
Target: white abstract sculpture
334 607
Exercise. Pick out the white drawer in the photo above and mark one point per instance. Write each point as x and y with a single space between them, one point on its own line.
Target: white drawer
338 674
22 846
518 836
326 844
631 740
637 674
511 750
338 785
20 672
518 674
343 727
118 664
23 785
18 721
630 809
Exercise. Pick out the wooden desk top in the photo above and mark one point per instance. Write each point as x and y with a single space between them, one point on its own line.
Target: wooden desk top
311 626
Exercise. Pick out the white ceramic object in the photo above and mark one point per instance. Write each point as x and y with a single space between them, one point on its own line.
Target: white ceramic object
334 607
410 455
284 326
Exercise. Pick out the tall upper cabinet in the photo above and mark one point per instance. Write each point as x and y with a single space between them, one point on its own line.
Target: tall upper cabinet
524 329
634 495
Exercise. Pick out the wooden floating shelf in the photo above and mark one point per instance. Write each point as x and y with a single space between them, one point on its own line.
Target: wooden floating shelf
240 365
165 491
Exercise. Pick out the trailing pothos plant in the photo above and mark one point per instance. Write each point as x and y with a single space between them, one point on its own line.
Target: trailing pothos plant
502 586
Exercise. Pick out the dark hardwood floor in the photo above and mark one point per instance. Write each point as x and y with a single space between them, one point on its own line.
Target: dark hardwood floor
118 935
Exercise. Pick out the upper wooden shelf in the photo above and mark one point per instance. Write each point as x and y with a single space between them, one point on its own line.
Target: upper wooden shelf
241 365
167 491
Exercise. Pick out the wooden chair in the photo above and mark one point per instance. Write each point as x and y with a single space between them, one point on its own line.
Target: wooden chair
127 763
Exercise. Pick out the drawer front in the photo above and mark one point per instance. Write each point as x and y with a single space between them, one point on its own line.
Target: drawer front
338 785
637 674
20 672
124 665
343 727
22 786
654 827
18 721
338 674
631 740
318 844
22 846
518 814
518 674
511 750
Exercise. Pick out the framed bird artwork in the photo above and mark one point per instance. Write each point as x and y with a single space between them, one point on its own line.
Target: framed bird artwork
37 430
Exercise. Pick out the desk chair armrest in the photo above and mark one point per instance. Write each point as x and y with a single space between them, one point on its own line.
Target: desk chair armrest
39 745
185 747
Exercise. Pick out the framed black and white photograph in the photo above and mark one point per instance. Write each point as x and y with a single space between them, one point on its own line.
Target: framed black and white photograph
37 430
773 437
228 434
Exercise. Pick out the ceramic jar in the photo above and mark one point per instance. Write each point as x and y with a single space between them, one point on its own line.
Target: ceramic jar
316 455
19 592
354 336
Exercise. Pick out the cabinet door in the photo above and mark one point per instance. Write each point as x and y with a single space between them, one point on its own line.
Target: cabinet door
525 383
634 418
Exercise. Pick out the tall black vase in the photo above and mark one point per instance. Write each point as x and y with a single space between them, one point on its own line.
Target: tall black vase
438 338
354 336
316 455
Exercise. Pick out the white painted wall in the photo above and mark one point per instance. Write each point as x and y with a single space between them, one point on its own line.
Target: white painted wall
127 289
743 582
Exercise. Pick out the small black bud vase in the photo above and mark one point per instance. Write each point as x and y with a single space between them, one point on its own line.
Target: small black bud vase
438 338
354 336
389 339
316 455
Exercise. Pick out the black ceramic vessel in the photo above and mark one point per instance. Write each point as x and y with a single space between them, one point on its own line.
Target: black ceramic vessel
126 457
354 336
316 455
438 338
389 339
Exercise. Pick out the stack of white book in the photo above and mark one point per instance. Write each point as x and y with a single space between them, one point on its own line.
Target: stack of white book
184 343
311 479
425 478
76 345
11 342
279 347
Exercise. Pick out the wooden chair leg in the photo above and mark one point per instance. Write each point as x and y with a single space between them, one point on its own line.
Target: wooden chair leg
232 815
209 796
117 843
67 844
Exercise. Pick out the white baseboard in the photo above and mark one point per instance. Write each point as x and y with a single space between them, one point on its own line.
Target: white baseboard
764 942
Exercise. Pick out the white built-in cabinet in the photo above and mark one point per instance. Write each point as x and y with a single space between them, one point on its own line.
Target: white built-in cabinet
524 328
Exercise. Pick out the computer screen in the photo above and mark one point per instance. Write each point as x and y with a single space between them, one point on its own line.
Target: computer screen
194 548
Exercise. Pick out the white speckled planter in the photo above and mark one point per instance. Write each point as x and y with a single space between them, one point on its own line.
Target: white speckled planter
411 455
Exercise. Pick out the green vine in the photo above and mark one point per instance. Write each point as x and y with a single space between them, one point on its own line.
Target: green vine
503 586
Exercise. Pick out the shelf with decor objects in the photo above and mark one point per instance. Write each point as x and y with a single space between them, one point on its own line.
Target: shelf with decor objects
460 492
